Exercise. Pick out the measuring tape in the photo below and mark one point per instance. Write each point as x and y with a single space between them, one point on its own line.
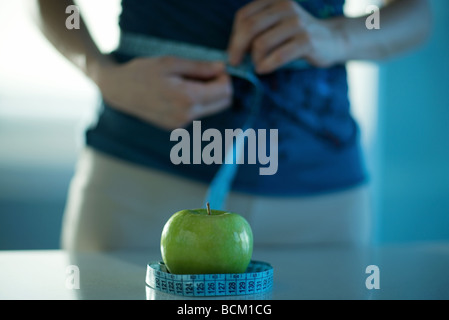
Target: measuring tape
258 278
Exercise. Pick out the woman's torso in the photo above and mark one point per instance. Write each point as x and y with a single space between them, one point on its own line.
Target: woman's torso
318 144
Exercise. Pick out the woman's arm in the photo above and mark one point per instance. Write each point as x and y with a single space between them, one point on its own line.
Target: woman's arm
77 44
167 91
277 32
404 24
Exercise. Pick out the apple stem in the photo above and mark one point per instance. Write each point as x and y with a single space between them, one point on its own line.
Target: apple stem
208 209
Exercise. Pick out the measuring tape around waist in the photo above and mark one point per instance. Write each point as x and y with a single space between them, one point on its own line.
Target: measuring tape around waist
142 45
257 279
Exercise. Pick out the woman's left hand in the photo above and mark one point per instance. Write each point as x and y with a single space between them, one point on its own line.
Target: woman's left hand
277 32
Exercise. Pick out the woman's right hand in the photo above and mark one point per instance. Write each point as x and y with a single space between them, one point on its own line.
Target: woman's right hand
168 92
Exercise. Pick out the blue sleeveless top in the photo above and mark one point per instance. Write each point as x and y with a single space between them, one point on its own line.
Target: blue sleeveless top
319 147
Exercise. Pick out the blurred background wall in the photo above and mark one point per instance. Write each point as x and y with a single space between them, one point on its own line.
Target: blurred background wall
45 104
413 136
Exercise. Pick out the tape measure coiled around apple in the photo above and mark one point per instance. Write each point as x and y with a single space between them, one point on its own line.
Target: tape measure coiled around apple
257 279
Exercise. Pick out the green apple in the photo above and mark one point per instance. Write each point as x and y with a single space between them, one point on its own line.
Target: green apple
205 241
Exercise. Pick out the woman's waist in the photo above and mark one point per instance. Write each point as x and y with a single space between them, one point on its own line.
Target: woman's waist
313 98
297 150
306 133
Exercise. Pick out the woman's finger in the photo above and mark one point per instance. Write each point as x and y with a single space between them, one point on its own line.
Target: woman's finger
245 32
253 8
253 20
192 68
209 97
294 49
267 42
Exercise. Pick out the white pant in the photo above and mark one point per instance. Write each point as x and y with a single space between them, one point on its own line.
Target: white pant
115 205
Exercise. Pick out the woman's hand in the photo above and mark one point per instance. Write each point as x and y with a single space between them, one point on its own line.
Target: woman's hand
168 92
277 32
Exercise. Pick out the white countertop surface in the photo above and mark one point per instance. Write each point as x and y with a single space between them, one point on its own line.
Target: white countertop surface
406 272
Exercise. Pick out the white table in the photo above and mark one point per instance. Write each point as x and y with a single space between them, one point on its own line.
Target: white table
406 272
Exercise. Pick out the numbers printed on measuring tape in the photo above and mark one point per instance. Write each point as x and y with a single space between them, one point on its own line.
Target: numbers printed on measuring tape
258 279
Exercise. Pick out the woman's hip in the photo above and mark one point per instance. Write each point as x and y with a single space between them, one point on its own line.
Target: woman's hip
113 204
